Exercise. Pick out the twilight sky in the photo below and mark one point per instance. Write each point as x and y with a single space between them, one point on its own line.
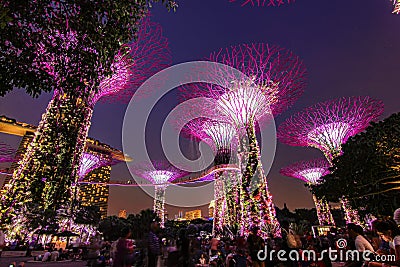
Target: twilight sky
350 48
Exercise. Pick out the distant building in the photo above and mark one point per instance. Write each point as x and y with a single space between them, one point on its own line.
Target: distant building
122 214
96 194
193 214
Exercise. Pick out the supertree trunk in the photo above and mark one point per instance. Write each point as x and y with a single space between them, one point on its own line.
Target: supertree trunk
220 206
159 201
323 211
50 165
230 188
256 201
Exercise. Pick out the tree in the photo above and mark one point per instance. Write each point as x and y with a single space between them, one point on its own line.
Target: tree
111 227
368 171
88 215
69 47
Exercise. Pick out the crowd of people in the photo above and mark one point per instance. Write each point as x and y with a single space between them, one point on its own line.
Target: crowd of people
190 249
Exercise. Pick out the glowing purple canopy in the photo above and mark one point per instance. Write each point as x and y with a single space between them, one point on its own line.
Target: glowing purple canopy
136 62
89 162
92 161
6 153
133 64
158 172
309 171
329 124
217 134
274 79
264 2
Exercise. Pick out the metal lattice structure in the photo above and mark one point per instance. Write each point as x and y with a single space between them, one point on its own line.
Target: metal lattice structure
91 161
160 174
264 2
310 172
272 79
60 137
136 62
328 125
218 134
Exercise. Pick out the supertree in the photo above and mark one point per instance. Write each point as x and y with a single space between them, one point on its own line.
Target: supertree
220 135
264 2
6 153
396 7
161 174
56 150
277 78
220 209
91 161
328 125
311 171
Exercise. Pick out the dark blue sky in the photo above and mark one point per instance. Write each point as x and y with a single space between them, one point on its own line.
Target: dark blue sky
350 48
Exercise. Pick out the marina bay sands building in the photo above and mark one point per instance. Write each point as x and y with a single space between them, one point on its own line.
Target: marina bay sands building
91 193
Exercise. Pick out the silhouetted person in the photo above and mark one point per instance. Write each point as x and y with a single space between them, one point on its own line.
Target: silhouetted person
122 249
154 248
255 243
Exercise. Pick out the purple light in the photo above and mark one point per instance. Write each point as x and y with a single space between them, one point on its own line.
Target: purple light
148 54
120 77
396 7
160 173
272 79
309 171
277 79
91 161
245 102
218 134
160 176
132 65
329 124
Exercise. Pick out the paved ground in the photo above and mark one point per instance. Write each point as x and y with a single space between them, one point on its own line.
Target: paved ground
5 262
